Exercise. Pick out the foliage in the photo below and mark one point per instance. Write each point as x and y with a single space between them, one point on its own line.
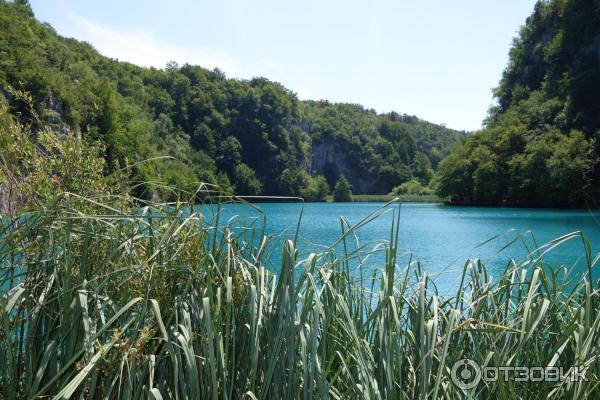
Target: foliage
343 190
541 146
422 169
374 151
412 188
403 198
293 181
209 124
317 189
159 303
224 183
246 182
32 172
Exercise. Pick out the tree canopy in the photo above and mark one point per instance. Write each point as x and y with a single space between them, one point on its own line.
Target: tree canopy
342 190
255 136
541 143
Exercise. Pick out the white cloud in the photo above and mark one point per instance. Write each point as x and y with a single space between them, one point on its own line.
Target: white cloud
143 48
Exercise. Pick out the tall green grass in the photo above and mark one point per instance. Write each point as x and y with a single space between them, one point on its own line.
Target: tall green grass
100 302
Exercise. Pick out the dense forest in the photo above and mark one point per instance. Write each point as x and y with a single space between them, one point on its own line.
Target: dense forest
249 136
541 142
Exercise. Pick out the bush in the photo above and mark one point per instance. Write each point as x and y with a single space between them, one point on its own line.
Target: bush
292 181
412 187
34 171
343 190
224 183
246 182
317 189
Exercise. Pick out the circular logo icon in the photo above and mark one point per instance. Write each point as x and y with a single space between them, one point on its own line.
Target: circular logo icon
466 374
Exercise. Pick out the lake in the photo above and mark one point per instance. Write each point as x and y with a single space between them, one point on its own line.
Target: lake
442 238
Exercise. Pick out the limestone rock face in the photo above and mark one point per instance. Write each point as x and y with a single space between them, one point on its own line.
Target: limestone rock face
329 159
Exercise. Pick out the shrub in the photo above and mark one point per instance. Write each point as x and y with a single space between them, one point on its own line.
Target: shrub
34 168
412 187
246 182
343 190
316 190
292 181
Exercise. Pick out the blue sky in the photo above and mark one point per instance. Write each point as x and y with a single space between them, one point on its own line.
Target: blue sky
436 59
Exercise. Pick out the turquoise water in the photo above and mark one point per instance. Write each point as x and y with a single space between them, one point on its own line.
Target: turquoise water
440 237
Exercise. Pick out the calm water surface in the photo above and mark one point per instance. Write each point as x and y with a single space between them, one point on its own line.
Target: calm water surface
440 237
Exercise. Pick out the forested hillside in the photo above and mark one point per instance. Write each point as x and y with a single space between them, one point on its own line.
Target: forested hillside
252 136
541 144
376 152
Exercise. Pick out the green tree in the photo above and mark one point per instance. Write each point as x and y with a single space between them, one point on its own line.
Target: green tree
343 190
392 175
569 169
224 183
246 182
316 190
292 181
421 167
208 122
229 154
540 145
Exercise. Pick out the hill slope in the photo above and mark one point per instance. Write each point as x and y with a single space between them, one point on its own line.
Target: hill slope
251 135
541 145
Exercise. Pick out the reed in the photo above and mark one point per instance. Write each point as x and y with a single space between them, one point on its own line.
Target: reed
156 302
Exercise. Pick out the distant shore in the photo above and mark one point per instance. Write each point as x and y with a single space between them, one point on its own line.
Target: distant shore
384 198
